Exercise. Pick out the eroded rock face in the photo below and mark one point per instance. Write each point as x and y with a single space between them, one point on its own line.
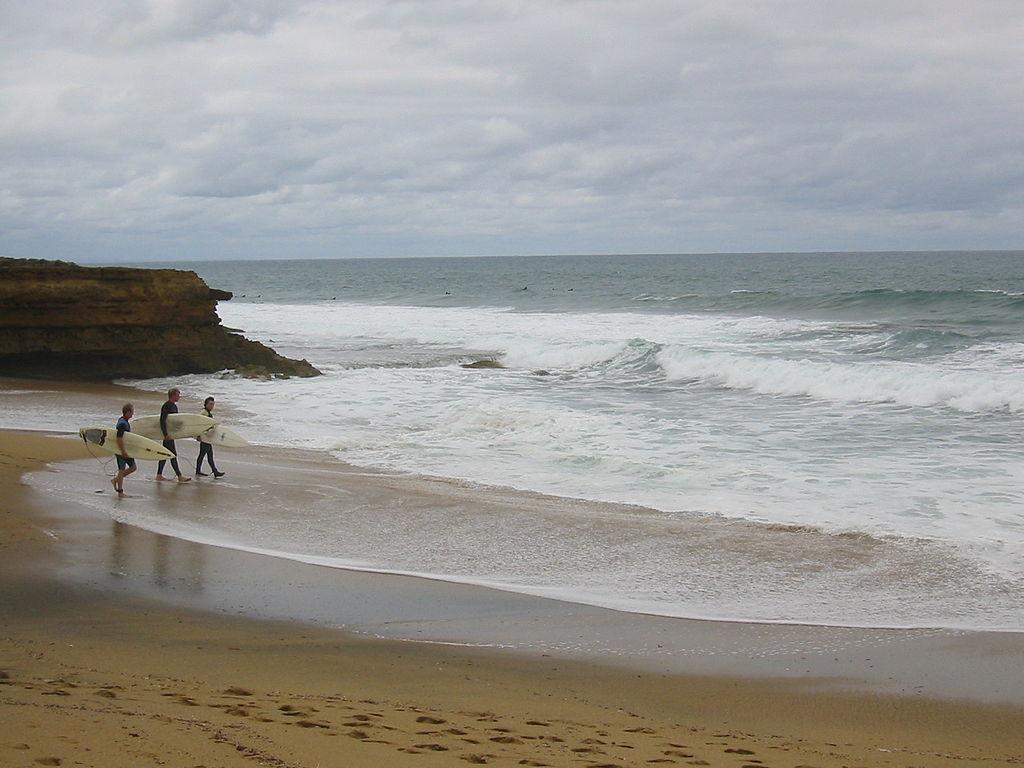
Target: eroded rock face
63 321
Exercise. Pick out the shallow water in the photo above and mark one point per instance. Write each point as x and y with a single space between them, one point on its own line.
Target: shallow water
825 438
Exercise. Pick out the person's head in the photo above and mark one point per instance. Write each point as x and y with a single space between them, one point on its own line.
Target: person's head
127 410
208 403
173 394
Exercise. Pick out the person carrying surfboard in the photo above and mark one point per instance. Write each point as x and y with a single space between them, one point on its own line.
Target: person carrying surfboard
125 464
206 449
173 395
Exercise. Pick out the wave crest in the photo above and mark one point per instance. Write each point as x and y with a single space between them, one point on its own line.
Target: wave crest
882 382
965 306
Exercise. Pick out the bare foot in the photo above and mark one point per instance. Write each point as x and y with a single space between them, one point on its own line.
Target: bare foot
160 477
120 491
183 479
113 482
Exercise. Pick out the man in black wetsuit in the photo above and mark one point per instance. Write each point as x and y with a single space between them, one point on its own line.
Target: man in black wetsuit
173 395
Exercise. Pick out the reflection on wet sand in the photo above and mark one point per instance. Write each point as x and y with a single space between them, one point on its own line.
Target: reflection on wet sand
172 563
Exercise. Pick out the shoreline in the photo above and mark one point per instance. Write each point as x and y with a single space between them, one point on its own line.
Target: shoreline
146 621
618 556
108 540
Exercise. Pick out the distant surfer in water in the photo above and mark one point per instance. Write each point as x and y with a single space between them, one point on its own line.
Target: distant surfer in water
171 406
125 463
206 449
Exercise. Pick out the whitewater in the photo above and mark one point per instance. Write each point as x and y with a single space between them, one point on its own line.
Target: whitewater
830 438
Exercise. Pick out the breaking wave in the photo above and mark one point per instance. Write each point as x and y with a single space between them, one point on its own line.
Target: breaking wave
900 383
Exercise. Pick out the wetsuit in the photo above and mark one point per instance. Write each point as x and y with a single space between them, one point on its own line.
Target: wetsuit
206 451
122 461
166 410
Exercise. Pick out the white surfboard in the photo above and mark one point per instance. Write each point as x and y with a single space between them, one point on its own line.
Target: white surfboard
219 435
135 446
179 425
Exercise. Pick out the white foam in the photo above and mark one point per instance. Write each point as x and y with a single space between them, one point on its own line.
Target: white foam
785 422
871 382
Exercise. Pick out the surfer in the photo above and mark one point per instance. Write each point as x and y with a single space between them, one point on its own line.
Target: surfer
125 464
206 449
173 395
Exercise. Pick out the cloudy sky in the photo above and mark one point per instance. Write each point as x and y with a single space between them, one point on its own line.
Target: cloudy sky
196 129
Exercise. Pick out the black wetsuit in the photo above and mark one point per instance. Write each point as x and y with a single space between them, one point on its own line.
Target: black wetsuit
166 410
206 451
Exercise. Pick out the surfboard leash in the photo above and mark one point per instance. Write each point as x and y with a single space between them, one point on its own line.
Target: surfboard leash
102 463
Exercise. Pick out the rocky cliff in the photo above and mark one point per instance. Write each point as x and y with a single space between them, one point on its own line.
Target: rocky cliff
63 321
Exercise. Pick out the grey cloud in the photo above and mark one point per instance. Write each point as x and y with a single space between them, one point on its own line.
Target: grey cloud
120 24
669 125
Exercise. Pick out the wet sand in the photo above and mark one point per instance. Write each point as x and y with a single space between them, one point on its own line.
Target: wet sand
126 647
111 552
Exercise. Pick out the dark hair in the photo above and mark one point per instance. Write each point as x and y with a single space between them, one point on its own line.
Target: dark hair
208 400
127 407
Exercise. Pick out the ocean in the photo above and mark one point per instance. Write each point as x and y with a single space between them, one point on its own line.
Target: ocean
828 438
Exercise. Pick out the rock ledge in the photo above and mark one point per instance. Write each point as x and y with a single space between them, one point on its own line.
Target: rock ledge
59 320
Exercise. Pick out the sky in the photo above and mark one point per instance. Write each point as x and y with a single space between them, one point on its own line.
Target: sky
205 129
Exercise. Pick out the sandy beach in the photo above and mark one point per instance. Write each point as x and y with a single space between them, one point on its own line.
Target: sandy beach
125 647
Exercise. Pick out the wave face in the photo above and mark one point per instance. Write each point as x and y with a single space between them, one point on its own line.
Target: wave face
851 395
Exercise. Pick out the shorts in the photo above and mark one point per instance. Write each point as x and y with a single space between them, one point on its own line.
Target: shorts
122 462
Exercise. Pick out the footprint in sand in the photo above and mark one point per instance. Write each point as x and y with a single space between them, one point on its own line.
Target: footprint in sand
47 761
236 691
739 752
430 720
